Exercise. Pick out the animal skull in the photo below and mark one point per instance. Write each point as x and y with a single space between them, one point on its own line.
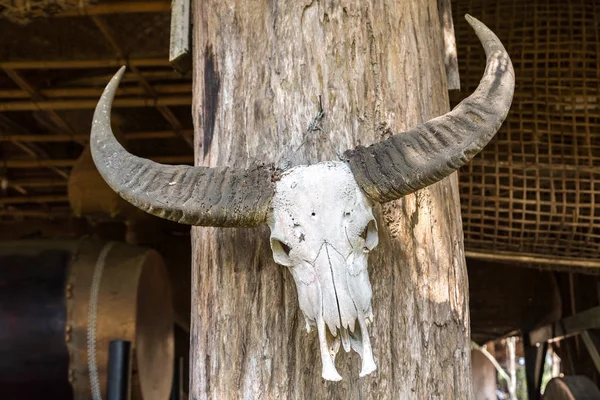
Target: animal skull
321 220
322 229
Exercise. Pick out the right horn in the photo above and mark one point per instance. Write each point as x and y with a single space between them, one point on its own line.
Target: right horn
412 160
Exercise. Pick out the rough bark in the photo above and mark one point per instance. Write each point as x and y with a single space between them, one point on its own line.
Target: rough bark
259 69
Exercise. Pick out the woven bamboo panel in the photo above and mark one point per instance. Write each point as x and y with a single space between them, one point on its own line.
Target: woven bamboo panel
536 187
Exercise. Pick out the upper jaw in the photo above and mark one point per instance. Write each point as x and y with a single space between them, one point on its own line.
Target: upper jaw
337 311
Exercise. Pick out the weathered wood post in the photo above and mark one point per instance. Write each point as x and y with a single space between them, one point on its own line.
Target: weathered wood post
259 69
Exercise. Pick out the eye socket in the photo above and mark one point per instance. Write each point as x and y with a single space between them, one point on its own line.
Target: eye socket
369 235
285 248
364 233
281 252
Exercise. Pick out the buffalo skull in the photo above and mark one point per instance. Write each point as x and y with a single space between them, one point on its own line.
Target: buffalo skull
321 219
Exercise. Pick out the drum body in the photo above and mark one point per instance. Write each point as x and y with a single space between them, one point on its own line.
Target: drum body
45 295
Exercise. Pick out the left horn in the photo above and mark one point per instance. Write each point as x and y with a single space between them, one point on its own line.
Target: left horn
188 195
412 160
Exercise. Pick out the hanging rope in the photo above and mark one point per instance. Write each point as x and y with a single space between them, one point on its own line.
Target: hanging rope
91 328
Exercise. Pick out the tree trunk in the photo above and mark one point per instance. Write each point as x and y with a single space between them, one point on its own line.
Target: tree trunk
259 70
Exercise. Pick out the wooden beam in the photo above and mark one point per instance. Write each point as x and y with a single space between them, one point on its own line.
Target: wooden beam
53 214
119 7
157 75
84 137
96 92
24 84
573 325
34 199
33 183
84 64
91 104
533 259
162 108
591 348
70 162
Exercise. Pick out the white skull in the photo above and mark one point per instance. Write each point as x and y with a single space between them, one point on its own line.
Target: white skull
322 229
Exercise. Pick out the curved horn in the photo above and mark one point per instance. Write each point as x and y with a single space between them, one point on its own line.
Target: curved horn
409 161
189 195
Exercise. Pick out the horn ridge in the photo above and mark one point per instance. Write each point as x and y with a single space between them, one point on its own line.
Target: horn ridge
189 195
422 153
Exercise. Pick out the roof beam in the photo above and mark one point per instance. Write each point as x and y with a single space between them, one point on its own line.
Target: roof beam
121 7
533 259
95 92
51 138
84 64
162 109
91 103
71 162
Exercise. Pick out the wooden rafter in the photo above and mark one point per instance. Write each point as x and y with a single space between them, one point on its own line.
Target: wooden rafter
71 162
37 97
34 199
163 109
25 138
83 64
95 92
120 7
90 104
30 150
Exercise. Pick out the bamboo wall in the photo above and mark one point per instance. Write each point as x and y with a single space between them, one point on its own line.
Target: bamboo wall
536 187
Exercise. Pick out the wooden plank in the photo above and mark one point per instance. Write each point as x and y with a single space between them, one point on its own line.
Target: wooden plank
70 162
91 104
119 7
575 324
533 259
84 137
180 49
95 91
591 348
83 64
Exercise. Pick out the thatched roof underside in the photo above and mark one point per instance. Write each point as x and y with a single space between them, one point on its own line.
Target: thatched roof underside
52 72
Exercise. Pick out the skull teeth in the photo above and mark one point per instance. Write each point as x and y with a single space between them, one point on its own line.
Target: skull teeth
359 341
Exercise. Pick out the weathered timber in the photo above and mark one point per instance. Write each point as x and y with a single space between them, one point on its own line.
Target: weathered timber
83 64
259 70
180 48
121 7
85 137
71 162
91 103
575 324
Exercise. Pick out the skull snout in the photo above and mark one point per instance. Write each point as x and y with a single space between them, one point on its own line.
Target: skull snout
346 299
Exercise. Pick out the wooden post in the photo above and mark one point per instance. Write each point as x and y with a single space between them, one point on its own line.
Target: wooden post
484 376
259 69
